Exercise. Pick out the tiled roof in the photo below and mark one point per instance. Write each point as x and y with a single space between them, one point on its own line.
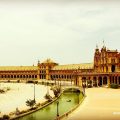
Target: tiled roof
111 50
74 66
19 68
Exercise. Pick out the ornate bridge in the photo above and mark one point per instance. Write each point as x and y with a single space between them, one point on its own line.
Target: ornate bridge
72 88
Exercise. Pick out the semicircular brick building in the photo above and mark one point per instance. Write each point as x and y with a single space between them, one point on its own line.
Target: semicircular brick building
104 70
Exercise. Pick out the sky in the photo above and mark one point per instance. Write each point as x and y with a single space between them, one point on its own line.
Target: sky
64 30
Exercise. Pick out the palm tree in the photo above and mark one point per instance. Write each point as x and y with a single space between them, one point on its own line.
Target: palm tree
30 103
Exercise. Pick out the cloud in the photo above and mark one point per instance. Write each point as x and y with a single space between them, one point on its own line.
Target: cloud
68 32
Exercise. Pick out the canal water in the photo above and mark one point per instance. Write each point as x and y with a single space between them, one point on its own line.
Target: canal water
66 102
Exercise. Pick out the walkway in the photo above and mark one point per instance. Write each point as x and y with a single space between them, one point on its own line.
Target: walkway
100 104
18 94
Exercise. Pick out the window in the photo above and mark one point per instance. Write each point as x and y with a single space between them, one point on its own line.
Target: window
113 60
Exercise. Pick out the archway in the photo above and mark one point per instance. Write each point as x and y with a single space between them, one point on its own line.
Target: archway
94 81
84 81
11 76
100 81
119 80
89 83
113 68
17 76
115 80
105 80
14 76
33 76
23 76
8 76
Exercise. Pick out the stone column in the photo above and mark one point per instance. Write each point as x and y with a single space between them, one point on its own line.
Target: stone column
102 81
113 79
47 73
80 81
86 83
38 74
77 81
92 82
117 80
97 82
108 81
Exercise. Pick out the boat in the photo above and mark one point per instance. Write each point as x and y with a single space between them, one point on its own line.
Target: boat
68 100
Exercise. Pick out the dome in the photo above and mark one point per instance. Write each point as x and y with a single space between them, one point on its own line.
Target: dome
48 61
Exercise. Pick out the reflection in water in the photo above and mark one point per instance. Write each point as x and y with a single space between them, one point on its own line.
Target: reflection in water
49 113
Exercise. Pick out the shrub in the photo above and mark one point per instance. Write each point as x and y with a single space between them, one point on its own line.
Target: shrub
36 82
115 86
8 81
30 81
6 117
18 81
42 83
1 118
89 85
56 91
38 104
48 97
23 111
30 103
8 88
2 91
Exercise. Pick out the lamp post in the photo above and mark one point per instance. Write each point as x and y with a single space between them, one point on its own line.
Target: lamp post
75 75
57 110
60 82
34 91
55 81
71 80
84 89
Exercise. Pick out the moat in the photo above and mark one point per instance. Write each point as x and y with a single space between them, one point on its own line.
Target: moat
66 102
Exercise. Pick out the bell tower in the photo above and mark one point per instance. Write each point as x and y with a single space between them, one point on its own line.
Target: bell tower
96 59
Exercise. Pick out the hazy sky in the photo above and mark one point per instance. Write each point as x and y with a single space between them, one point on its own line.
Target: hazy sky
64 31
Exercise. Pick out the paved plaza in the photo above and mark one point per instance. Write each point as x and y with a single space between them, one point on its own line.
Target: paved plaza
19 93
100 104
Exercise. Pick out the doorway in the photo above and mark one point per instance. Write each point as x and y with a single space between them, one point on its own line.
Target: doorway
113 68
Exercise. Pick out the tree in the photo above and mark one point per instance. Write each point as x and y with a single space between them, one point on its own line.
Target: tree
6 117
48 97
56 90
30 103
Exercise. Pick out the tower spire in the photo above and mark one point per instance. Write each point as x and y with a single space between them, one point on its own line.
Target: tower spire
103 43
96 46
38 61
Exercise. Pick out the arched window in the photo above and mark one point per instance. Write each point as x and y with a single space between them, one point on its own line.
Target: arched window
11 76
32 76
113 68
105 80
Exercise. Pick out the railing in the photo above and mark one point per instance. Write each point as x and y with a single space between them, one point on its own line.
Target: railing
70 111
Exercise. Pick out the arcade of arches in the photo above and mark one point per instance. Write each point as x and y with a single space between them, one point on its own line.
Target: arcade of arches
14 76
95 81
104 70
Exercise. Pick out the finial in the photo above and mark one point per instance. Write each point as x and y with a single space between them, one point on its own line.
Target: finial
38 61
103 43
96 46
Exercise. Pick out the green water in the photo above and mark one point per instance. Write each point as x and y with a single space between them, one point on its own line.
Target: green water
50 112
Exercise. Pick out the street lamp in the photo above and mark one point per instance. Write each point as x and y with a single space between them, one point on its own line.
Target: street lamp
84 88
55 81
34 91
72 78
57 110
60 82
